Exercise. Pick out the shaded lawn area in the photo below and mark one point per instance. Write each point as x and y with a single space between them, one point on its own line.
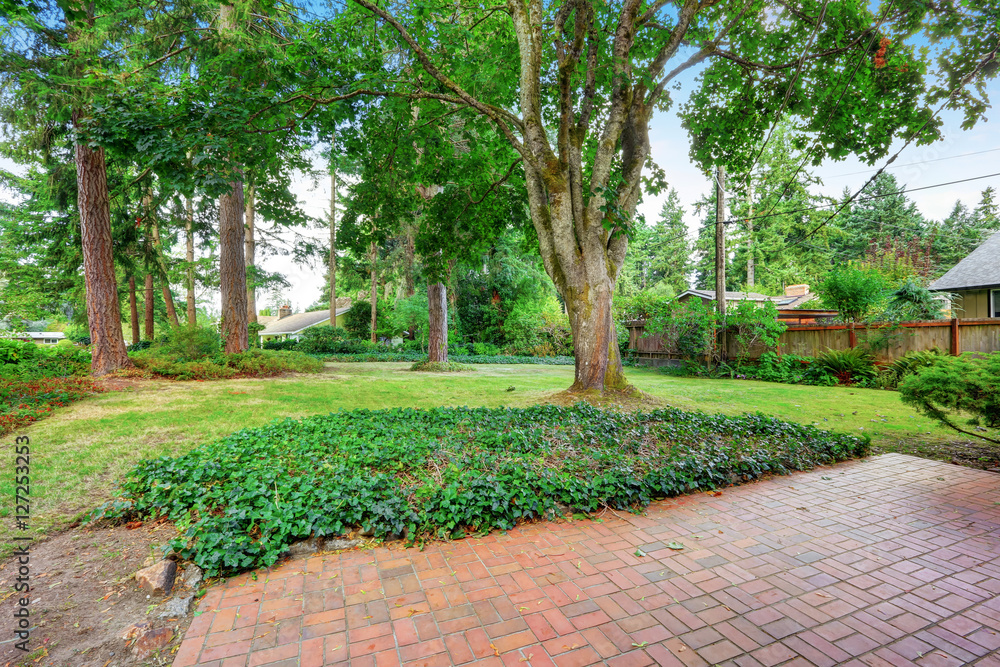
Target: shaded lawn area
79 452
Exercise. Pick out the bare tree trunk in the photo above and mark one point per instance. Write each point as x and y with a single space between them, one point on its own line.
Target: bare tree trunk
437 331
720 256
103 315
148 331
232 270
250 252
409 289
333 233
168 297
133 310
374 293
192 313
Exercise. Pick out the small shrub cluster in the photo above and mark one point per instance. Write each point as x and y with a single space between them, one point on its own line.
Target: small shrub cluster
252 363
441 367
447 472
459 358
27 361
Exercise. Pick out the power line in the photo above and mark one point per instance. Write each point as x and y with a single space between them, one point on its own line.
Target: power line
911 164
857 68
791 83
961 84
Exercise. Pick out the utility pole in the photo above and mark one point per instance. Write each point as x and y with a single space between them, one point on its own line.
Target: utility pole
720 255
750 259
333 230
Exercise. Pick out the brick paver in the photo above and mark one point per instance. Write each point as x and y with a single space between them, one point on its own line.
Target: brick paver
893 560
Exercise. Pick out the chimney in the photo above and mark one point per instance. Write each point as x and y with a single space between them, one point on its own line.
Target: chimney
284 311
797 290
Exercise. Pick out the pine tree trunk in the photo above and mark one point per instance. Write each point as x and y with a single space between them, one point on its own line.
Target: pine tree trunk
192 312
437 331
232 271
751 263
168 299
103 315
250 251
374 293
148 303
409 250
133 310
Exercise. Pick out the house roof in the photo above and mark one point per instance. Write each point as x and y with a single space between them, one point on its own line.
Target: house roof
292 324
980 268
782 302
266 319
46 334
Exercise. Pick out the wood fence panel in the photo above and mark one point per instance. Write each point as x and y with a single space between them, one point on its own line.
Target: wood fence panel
974 335
981 338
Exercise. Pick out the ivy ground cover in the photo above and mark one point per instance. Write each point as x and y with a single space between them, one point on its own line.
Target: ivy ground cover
447 472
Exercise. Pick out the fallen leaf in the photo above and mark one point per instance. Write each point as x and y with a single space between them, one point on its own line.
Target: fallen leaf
527 658
676 546
640 553
495 651
640 645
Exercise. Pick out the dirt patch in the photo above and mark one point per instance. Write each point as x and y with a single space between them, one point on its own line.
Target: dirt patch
627 399
83 597
980 455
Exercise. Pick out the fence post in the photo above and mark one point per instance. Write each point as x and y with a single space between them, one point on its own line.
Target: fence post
956 340
852 337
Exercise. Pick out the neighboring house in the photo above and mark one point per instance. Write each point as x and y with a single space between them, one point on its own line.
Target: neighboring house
287 326
975 282
789 305
43 337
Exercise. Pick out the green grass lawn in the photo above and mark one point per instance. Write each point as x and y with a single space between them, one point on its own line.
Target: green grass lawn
79 452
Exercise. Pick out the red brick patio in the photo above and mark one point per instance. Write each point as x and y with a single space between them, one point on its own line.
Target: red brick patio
889 561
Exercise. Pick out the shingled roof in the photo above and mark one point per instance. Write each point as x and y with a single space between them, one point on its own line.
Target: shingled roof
293 324
980 268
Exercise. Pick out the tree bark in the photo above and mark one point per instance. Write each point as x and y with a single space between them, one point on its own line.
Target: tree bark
103 315
168 297
192 312
250 252
332 262
374 292
133 310
232 270
437 331
148 303
409 250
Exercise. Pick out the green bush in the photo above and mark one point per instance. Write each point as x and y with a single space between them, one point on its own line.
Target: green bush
857 294
447 472
951 386
358 320
323 339
852 366
252 363
287 344
181 343
754 325
27 361
441 367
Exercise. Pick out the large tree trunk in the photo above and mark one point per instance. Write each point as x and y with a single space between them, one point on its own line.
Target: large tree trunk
374 293
437 311
103 315
148 303
232 271
133 310
192 313
333 234
250 250
168 299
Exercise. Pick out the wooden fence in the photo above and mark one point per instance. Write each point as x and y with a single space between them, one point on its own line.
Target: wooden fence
890 341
